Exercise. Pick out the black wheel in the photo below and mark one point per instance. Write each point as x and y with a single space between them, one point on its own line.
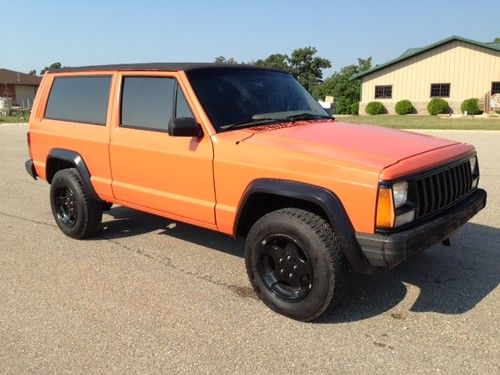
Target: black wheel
295 263
75 212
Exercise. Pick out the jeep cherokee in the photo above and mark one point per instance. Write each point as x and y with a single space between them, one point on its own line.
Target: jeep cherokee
247 151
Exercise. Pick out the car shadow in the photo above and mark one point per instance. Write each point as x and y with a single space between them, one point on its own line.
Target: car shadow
128 223
446 280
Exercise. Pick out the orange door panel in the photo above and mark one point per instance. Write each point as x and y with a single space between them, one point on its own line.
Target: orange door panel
170 174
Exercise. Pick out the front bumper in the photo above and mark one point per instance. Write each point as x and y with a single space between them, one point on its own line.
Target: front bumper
387 250
30 168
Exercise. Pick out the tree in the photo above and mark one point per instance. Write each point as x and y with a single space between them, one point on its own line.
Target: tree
53 66
32 72
223 60
302 64
307 68
276 61
342 87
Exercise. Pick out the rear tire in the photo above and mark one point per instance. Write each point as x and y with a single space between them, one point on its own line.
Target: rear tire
75 212
295 263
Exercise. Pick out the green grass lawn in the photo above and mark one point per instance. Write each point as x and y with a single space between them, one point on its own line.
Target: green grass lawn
390 121
13 119
425 122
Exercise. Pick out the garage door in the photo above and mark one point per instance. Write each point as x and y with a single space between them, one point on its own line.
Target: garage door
25 95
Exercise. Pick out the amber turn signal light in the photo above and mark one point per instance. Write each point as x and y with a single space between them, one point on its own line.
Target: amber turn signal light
385 208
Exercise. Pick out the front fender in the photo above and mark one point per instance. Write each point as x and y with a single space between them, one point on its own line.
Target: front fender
327 201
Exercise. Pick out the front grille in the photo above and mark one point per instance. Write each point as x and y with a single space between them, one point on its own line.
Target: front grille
442 188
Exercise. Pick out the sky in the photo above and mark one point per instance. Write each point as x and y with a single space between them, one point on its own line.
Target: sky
35 34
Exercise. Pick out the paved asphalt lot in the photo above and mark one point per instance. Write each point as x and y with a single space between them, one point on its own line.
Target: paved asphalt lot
152 296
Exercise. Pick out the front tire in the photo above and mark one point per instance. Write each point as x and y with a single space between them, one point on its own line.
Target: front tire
75 212
295 263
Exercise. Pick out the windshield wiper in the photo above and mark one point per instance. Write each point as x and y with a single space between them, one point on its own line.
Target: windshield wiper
306 116
271 120
263 121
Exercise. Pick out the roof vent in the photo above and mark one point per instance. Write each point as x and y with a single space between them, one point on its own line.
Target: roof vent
18 79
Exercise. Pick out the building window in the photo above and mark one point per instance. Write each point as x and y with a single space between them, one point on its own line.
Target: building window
441 90
495 88
383 92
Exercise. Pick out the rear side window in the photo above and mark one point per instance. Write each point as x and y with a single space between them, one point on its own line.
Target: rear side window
79 99
147 102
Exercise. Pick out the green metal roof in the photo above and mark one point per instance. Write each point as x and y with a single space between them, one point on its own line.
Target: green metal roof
495 46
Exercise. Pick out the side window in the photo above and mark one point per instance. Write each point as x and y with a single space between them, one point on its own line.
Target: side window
147 102
181 107
383 92
440 90
79 99
495 88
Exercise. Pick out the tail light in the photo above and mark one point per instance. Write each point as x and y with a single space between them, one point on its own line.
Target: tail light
28 140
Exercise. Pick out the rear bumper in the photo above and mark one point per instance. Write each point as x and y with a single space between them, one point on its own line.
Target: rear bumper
30 168
387 250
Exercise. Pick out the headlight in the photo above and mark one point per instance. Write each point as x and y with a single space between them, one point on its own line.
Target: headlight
473 165
474 170
400 193
393 207
405 217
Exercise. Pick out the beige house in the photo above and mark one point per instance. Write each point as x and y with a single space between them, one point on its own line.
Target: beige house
454 69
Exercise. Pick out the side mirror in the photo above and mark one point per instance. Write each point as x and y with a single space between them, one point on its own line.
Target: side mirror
184 127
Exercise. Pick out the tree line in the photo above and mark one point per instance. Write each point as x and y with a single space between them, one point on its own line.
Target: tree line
307 68
53 66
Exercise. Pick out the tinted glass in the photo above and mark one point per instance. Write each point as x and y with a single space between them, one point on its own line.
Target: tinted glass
147 102
495 88
79 99
440 89
383 91
235 96
182 108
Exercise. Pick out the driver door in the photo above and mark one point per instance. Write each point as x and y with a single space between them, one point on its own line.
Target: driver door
151 169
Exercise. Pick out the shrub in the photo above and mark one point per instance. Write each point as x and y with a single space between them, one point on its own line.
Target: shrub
342 106
438 106
355 108
404 107
375 108
471 106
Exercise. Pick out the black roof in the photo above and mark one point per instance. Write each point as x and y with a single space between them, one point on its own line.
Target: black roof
160 67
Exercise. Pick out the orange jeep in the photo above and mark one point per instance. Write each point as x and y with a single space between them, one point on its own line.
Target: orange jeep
248 152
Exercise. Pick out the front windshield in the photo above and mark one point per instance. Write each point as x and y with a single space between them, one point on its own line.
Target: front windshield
245 97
